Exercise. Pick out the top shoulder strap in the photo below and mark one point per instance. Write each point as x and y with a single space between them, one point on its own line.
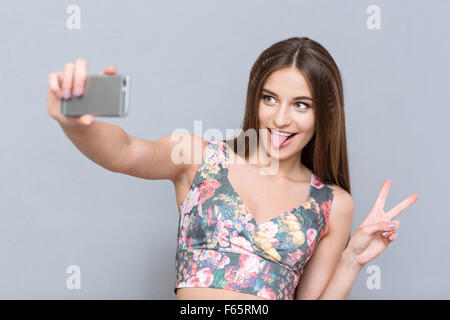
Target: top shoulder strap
215 152
213 158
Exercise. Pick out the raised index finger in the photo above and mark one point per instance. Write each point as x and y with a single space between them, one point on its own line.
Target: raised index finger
399 207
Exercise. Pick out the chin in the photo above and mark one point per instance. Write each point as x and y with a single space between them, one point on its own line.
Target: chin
285 152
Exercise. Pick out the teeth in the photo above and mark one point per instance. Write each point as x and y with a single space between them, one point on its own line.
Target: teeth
281 133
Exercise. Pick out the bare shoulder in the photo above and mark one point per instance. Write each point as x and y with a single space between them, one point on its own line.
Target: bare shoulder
341 196
342 208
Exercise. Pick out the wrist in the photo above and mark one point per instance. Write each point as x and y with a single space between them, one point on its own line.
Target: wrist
63 122
350 260
70 124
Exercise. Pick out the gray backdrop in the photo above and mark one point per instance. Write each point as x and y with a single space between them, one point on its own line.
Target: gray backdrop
190 60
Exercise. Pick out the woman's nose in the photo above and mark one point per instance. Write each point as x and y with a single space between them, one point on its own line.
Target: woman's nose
282 117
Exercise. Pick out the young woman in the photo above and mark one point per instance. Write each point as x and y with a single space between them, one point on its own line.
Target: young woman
243 234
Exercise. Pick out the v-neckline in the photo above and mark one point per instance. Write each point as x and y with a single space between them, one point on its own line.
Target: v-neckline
246 208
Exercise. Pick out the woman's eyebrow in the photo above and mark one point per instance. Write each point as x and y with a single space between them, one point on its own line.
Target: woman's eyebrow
296 98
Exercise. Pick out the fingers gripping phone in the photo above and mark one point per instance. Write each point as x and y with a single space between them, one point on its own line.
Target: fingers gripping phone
103 95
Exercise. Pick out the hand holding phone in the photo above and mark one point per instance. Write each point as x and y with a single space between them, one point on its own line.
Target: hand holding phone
72 84
104 95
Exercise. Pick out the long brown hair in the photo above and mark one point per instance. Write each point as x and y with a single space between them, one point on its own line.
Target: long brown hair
326 152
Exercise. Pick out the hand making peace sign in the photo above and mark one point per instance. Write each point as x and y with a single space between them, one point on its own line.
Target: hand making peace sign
368 241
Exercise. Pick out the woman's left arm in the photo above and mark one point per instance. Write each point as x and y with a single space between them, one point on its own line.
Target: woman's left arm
365 244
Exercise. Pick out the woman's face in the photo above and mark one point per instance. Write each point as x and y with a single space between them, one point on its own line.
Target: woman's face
286 105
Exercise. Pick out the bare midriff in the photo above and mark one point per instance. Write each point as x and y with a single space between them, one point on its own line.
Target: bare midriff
213 294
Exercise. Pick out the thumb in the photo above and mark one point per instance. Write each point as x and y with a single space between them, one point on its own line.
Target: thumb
111 70
380 226
86 119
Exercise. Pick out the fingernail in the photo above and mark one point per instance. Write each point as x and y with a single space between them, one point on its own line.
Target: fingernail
391 225
77 91
66 94
385 233
58 95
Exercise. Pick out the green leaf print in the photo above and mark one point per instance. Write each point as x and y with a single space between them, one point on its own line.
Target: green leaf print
218 277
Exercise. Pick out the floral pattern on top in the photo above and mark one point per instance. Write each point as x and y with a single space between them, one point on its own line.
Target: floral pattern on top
220 245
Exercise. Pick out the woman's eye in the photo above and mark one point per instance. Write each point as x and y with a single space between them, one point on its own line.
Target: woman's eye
264 97
306 105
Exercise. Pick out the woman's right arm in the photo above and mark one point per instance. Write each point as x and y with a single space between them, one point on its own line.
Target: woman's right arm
109 145
161 159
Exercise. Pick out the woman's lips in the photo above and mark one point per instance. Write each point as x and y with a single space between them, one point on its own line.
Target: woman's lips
279 142
282 131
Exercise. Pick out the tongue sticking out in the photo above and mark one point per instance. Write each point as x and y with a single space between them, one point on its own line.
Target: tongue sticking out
277 140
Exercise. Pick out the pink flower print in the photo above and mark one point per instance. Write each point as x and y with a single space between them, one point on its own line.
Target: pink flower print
194 282
216 256
196 254
250 227
223 234
228 223
225 260
248 217
205 277
310 249
207 188
268 229
310 236
190 201
249 263
224 243
316 182
240 245
266 293
245 218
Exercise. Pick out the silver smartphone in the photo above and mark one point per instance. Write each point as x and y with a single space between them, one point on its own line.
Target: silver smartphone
103 95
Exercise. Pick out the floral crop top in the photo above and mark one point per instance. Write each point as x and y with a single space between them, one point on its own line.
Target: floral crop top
221 246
